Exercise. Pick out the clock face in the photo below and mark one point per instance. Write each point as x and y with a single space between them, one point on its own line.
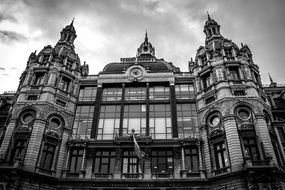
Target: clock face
136 73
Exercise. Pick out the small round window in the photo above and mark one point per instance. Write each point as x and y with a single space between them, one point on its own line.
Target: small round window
215 121
244 114
27 118
55 122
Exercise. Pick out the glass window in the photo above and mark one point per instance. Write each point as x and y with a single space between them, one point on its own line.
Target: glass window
104 161
109 122
112 94
160 121
206 80
184 91
228 52
45 58
83 122
27 118
159 93
64 83
187 120
204 60
135 93
19 149
234 73
162 161
251 149
87 93
221 155
69 64
134 118
191 159
76 155
130 162
39 78
47 156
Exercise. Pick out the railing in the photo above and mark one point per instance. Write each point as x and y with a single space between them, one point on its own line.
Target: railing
221 171
102 175
45 171
162 175
132 175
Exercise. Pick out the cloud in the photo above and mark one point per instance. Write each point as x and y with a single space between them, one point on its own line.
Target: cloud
11 36
4 16
5 74
2 68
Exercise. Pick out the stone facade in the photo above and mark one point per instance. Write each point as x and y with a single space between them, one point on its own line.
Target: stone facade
142 123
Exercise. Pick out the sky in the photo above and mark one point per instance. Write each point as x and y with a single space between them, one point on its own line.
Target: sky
108 30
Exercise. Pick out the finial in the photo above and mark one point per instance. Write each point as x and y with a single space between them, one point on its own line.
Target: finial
146 38
209 18
84 63
271 80
72 22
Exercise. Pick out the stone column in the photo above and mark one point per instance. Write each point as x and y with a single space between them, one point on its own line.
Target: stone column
263 134
206 150
61 161
34 146
233 142
82 169
7 138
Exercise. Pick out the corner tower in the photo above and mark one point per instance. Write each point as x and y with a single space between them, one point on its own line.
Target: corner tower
232 107
42 116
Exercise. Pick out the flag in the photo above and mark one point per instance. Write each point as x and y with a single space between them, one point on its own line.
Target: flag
140 154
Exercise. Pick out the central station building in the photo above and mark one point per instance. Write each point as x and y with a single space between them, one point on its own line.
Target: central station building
211 127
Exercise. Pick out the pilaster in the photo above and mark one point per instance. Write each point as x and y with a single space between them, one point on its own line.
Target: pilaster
7 138
34 146
233 142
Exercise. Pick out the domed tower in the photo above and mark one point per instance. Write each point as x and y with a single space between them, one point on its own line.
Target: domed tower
42 115
146 48
233 110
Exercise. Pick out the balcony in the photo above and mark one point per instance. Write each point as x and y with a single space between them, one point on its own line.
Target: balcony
102 175
45 171
156 175
132 176
221 171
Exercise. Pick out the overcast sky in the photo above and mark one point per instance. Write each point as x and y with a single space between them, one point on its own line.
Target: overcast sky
108 30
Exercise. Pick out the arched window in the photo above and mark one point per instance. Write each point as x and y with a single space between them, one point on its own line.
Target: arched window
217 139
21 135
245 122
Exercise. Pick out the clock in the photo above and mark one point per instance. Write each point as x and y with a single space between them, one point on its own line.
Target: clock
136 73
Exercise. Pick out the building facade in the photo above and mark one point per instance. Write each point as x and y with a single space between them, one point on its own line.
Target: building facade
213 127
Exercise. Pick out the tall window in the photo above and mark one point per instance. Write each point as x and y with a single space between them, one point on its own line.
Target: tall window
187 120
19 149
39 78
87 93
160 121
184 91
206 80
282 136
69 64
64 83
221 156
130 162
204 60
112 94
234 73
109 122
47 156
76 155
159 93
191 159
162 161
45 58
250 146
104 161
228 53
135 93
134 118
83 122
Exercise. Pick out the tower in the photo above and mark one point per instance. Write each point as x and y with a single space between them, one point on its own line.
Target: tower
233 109
41 121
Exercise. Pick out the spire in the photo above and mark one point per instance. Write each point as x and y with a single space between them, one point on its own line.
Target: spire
209 18
71 24
146 38
272 83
